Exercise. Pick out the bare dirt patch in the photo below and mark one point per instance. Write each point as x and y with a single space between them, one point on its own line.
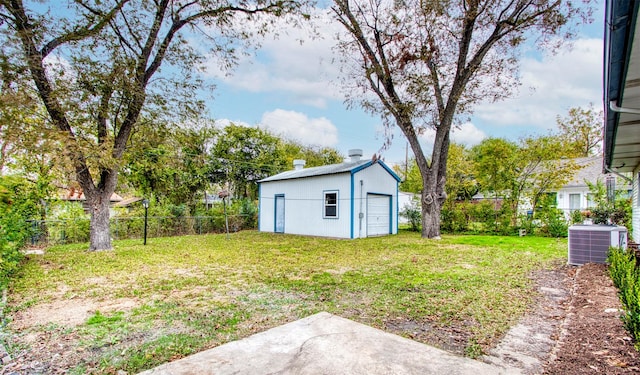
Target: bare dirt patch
593 339
67 313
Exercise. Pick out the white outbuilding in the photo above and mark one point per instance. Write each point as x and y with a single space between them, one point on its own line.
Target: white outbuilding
355 199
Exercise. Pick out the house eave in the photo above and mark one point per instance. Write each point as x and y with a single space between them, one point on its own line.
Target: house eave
621 86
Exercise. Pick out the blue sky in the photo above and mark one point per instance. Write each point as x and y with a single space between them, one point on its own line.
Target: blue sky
292 88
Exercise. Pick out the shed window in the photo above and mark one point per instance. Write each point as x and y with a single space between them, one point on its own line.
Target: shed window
330 204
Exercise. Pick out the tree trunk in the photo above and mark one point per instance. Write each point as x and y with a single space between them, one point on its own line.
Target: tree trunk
431 208
99 231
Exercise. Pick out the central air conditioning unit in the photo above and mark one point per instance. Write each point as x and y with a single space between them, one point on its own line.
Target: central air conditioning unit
591 243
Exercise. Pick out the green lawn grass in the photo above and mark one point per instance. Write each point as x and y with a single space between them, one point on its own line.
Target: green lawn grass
194 292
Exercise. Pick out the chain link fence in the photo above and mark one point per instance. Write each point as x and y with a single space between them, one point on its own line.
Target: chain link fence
55 232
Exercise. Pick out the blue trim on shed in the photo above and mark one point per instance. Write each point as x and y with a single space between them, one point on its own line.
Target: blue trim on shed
391 172
397 208
390 214
275 214
390 196
352 204
259 205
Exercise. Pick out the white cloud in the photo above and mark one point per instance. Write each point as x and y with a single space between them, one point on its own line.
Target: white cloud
292 62
223 123
550 86
468 134
297 126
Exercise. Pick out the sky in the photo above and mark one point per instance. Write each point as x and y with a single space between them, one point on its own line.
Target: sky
292 89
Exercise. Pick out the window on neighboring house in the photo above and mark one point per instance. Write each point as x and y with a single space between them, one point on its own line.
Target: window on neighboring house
330 204
574 202
590 202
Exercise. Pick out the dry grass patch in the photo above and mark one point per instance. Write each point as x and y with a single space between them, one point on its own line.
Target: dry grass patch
139 306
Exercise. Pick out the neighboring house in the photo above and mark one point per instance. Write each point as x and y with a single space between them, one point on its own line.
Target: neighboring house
129 203
575 195
622 96
355 199
77 195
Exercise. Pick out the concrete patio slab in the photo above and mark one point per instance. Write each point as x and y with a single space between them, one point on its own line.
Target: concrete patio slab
330 345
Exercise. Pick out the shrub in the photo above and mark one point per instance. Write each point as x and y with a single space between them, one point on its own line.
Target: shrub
249 212
576 217
413 213
18 203
626 277
454 217
69 224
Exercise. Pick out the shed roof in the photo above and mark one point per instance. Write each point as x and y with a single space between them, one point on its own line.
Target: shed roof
348 167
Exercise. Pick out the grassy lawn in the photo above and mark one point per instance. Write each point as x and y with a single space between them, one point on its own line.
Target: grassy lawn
145 305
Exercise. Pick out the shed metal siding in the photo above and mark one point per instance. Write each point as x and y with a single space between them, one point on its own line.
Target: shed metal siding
304 202
376 180
304 205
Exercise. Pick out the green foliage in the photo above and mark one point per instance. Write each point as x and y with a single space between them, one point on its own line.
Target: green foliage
312 155
68 224
244 155
626 277
495 160
249 212
170 162
411 177
553 223
461 180
19 202
616 212
576 217
454 217
581 131
413 213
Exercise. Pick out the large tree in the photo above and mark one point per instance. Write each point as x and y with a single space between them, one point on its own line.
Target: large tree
581 130
170 161
424 64
98 65
244 155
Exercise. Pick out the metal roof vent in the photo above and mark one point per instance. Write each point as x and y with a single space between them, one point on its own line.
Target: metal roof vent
355 154
298 164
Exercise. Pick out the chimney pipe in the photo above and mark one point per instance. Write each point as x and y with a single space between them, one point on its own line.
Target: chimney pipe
298 164
355 154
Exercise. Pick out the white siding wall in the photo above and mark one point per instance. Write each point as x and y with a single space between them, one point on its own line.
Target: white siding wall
635 204
375 180
304 205
564 198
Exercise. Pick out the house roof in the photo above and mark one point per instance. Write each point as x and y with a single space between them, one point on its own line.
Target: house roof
73 194
589 169
128 201
348 167
621 88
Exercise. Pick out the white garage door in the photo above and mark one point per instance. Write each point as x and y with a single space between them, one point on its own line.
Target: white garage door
378 210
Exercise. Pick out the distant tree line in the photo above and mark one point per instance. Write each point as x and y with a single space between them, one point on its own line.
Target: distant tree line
506 173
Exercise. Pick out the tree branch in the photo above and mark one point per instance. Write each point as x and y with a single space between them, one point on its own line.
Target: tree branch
82 32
